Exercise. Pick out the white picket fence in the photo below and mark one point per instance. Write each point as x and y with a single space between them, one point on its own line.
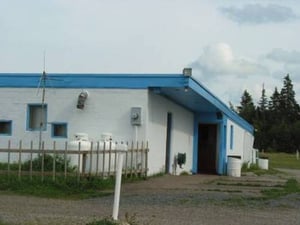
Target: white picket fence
98 160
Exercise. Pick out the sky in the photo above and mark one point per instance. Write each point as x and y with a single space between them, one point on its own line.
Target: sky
231 46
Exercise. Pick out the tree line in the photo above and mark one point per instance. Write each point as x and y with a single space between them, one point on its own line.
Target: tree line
276 120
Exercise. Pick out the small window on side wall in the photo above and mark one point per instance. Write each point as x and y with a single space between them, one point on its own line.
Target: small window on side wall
59 130
6 128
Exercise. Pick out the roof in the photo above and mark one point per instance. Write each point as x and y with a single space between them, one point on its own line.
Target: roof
184 90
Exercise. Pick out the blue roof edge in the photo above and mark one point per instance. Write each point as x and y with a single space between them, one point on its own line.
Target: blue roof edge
201 89
89 80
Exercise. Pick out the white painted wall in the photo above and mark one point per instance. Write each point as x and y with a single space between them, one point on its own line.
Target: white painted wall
181 134
248 148
106 110
242 142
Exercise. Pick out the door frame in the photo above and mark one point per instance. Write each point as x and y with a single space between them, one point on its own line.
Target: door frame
168 141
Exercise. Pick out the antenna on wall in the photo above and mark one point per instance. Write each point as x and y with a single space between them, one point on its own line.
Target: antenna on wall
43 85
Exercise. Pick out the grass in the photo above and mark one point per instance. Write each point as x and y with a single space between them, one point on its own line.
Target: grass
129 219
3 223
102 222
290 187
87 187
276 160
256 170
69 189
283 160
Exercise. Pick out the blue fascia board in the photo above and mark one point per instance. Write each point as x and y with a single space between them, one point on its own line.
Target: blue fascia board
205 93
134 81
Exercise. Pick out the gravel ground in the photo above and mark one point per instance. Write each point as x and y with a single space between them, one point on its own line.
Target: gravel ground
168 200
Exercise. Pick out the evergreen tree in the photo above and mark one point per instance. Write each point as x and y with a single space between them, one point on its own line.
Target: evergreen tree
260 122
277 121
288 105
274 111
247 108
263 102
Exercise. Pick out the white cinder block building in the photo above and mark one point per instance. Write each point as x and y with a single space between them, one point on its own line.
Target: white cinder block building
173 112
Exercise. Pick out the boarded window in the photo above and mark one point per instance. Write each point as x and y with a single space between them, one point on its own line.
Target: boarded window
37 117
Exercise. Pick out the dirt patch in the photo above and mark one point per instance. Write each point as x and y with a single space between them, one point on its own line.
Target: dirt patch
197 199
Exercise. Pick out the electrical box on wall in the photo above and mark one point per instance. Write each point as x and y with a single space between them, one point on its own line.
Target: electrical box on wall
136 116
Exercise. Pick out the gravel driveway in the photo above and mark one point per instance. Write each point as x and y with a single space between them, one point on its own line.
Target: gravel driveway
168 200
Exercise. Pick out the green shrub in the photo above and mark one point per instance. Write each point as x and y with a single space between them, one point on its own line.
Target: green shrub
48 163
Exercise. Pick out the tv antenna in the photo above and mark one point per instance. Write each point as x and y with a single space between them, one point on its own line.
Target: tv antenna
42 83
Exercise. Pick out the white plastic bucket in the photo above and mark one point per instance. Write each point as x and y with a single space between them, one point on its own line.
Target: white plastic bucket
233 166
263 164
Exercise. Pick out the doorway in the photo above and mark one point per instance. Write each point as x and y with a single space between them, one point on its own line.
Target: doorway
207 148
168 142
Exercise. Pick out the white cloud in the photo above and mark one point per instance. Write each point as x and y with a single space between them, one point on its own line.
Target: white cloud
258 14
228 75
289 62
219 60
284 56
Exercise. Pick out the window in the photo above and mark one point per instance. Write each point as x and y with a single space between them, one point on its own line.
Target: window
231 137
6 127
59 130
36 117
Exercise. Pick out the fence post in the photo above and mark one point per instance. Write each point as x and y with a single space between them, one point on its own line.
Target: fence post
126 161
8 158
20 165
91 159
30 166
54 161
118 184
115 166
109 158
146 160
103 162
78 169
131 159
142 158
97 159
65 160
136 158
43 160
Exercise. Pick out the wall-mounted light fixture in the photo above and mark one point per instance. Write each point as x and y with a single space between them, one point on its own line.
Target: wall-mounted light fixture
81 99
219 115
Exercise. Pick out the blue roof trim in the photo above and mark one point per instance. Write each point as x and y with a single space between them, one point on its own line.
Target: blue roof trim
138 81
204 92
133 81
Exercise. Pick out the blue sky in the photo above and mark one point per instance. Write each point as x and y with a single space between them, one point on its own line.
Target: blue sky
231 45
